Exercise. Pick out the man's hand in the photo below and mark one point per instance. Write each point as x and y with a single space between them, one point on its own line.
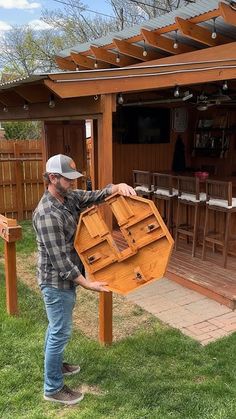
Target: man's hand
90 285
123 189
98 286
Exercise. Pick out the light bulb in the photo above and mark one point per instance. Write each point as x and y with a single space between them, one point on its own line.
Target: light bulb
176 45
145 53
225 85
214 34
96 64
26 106
117 58
51 102
176 92
5 109
120 99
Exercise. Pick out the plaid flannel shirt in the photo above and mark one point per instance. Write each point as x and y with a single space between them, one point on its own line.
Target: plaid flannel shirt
55 225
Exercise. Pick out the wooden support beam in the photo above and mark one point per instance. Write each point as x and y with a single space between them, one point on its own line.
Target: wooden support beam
144 81
11 281
105 176
65 63
199 34
135 51
228 13
82 60
111 58
105 318
162 42
10 232
77 107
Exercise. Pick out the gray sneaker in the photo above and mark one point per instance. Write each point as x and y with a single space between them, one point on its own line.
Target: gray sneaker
65 396
68 369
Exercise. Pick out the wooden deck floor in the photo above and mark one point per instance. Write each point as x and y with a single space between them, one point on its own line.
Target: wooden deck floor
206 277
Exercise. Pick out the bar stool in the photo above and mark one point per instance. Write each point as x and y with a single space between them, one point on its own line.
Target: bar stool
219 201
142 180
189 196
163 190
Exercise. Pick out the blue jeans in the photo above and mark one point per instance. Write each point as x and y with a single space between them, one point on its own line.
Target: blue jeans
59 306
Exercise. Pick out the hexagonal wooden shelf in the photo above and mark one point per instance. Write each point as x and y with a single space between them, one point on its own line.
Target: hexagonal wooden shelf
149 244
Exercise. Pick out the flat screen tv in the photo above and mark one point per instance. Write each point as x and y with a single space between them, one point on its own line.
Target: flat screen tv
140 125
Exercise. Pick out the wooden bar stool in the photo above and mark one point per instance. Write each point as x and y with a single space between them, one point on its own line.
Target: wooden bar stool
219 201
189 197
142 180
163 190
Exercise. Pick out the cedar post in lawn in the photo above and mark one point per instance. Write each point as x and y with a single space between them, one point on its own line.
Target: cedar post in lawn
105 176
10 232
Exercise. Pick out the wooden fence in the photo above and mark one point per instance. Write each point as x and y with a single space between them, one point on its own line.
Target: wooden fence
21 184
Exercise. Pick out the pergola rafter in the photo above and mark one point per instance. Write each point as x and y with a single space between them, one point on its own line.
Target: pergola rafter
82 61
117 59
135 51
162 42
199 34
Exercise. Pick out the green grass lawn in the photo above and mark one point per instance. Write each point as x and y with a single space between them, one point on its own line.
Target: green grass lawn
155 373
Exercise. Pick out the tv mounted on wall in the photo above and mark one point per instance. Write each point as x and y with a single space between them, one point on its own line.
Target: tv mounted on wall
140 125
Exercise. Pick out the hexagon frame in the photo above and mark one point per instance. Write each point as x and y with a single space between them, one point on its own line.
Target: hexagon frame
149 244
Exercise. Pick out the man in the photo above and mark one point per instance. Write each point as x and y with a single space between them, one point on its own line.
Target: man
59 267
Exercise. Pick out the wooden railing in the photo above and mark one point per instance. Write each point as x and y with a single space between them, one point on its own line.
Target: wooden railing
21 183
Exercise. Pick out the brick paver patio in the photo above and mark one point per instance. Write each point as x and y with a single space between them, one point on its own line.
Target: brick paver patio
194 314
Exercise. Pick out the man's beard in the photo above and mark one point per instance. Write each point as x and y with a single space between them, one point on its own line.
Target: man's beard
62 191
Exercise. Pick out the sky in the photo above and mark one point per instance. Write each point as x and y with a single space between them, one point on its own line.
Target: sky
22 12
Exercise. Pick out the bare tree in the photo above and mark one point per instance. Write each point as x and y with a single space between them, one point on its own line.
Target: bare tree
25 51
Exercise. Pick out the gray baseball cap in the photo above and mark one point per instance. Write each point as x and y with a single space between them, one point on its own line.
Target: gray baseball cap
63 165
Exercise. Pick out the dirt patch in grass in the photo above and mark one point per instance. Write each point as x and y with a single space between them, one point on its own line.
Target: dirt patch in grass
127 317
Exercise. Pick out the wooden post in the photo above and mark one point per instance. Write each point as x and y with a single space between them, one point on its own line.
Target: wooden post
10 273
10 232
105 176
105 318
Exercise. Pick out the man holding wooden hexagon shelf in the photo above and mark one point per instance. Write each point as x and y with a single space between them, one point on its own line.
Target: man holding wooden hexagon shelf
59 266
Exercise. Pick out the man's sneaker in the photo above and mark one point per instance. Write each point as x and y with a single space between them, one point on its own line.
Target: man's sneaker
65 396
68 369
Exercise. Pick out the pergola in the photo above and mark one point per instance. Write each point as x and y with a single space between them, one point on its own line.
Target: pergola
192 46
186 47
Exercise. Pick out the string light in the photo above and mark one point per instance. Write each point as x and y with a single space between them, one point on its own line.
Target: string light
26 105
176 44
96 64
144 50
176 91
120 99
118 58
52 102
214 34
225 85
